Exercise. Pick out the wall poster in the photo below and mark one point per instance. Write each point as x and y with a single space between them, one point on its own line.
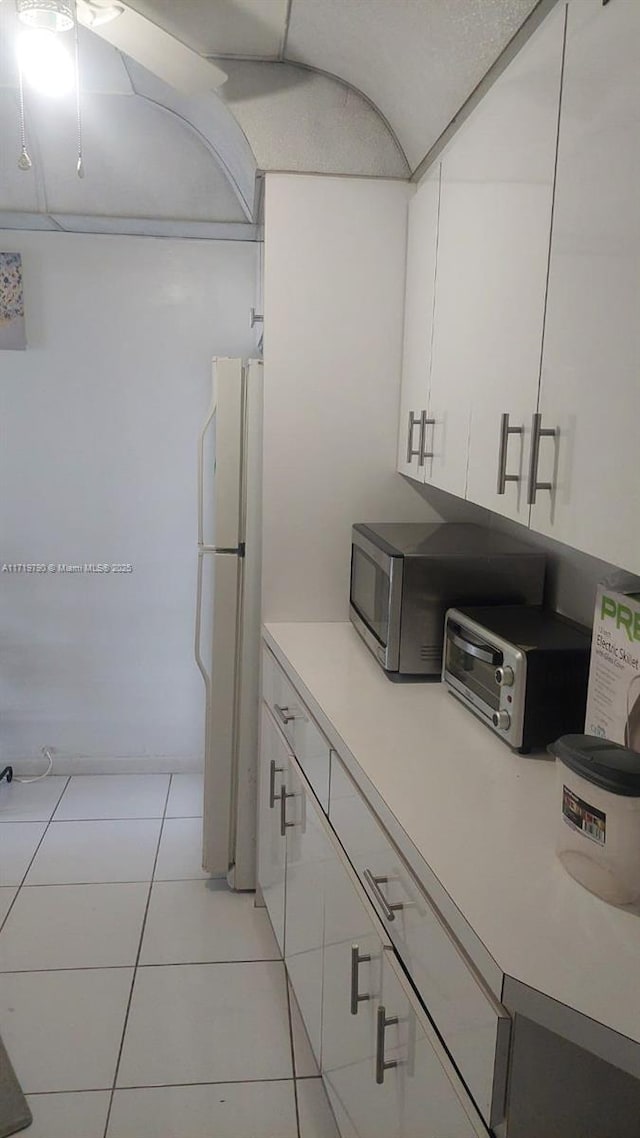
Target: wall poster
12 326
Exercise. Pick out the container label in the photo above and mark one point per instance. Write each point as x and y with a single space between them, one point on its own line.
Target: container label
581 816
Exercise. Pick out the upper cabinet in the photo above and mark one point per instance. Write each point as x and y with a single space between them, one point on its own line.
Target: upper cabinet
590 389
533 361
497 198
422 244
476 281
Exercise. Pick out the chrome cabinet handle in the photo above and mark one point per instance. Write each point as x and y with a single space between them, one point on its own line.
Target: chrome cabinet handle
357 958
537 432
273 771
505 431
284 825
283 713
414 420
382 1023
424 454
375 883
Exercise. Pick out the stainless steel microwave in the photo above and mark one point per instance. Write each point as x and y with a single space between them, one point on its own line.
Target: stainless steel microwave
404 577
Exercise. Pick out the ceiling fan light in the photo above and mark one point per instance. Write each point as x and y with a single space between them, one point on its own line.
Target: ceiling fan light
45 62
46 15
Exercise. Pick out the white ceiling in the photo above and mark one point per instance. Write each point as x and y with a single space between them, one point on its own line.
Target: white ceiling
251 29
416 60
150 166
151 152
136 158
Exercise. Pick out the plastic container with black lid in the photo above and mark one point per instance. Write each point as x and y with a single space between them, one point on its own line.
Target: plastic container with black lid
599 815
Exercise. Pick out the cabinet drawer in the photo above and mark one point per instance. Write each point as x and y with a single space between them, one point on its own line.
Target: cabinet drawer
472 1024
305 738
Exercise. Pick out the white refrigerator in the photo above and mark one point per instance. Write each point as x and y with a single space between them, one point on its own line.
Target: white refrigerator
227 634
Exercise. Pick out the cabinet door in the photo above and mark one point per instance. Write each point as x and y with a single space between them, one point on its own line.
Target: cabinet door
308 850
493 245
420 1094
498 193
361 1107
274 774
449 407
410 1058
590 386
473 1026
422 240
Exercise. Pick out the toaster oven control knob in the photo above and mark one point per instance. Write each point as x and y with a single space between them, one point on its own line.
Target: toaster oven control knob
505 676
501 720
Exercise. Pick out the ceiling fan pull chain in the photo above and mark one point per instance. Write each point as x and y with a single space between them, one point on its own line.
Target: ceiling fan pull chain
80 163
24 161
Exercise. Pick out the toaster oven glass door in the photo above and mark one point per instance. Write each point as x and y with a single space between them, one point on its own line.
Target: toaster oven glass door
473 663
370 588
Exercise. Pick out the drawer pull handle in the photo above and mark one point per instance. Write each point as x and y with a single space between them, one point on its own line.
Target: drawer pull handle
357 958
283 713
284 825
374 884
273 771
505 431
383 1022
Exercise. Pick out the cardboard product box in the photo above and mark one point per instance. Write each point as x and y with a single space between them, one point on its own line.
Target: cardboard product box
613 698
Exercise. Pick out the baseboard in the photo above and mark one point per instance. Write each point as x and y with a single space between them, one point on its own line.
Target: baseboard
129 764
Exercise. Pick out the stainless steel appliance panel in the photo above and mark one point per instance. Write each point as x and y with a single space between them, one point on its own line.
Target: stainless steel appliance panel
404 577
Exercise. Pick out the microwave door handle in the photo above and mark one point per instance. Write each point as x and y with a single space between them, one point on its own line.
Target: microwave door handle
480 651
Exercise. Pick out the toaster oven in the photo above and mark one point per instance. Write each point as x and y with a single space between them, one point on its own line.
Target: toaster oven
522 670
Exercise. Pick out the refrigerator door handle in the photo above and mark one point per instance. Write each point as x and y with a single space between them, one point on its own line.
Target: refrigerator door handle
207 423
197 645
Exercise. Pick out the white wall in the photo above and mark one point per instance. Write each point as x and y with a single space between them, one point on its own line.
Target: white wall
334 298
98 422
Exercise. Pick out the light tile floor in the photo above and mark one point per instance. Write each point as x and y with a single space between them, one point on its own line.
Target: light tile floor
139 999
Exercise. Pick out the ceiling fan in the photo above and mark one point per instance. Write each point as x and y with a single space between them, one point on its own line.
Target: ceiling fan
129 32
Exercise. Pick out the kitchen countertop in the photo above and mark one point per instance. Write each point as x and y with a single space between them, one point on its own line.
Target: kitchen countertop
481 821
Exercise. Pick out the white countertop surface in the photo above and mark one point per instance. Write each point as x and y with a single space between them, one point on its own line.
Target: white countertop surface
483 818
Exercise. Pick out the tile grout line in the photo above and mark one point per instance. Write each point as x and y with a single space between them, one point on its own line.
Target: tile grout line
110 818
293 1050
35 852
160 1086
135 967
133 881
168 964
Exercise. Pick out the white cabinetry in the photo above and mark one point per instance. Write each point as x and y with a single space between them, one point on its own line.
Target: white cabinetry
590 391
431 1095
534 338
385 1071
474 1027
422 242
479 342
273 777
308 851
497 199
353 948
